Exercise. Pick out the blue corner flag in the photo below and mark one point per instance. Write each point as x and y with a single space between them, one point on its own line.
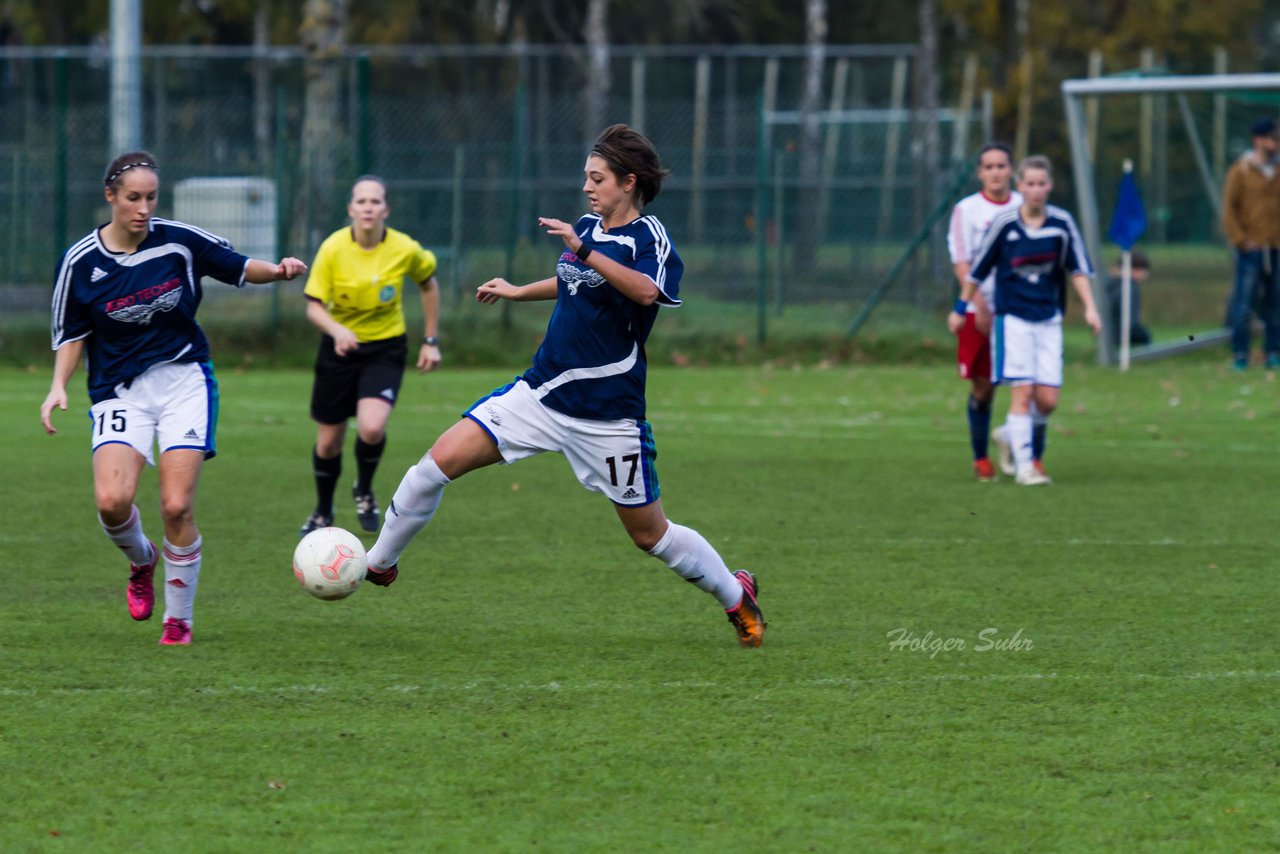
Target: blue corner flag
1129 220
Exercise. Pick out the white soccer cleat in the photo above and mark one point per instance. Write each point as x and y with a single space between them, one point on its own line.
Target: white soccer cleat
1030 476
1004 451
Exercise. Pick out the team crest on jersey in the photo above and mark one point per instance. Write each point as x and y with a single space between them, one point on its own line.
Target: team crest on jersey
387 294
142 306
575 277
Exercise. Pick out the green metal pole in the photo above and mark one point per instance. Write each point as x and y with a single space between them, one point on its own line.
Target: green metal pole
363 157
513 225
278 170
459 172
939 213
60 152
762 247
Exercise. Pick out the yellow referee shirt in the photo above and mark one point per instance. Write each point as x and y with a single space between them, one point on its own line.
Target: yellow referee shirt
361 287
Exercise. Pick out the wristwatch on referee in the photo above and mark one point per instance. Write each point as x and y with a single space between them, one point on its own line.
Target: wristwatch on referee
431 340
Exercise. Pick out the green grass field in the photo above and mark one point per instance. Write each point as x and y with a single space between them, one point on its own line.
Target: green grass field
533 683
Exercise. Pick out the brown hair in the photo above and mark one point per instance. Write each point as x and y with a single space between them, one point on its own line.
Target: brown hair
375 179
125 162
629 152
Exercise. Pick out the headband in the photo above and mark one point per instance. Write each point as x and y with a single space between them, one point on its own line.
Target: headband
116 174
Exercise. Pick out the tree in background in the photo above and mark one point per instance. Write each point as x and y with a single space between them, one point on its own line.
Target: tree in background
323 35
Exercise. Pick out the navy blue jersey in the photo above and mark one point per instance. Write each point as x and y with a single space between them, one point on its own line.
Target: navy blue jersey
1031 265
138 309
592 363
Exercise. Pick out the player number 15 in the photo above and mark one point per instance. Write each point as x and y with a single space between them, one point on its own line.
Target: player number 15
117 421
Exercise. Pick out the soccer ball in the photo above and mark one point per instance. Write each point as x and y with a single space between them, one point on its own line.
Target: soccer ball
330 563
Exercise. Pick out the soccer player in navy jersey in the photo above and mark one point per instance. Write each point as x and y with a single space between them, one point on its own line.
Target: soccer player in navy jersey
1032 251
584 396
125 299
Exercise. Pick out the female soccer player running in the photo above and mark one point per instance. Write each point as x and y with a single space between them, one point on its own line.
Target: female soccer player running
1032 251
970 320
584 396
127 293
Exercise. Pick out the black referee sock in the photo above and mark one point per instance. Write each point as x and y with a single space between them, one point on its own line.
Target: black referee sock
367 459
327 473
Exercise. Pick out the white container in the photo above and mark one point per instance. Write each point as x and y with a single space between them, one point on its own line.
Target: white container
240 209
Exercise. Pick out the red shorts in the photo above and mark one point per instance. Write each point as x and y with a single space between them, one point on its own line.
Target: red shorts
973 351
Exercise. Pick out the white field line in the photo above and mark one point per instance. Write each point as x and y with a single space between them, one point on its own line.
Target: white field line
600 686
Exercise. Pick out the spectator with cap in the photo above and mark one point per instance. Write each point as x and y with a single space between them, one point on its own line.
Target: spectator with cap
1251 223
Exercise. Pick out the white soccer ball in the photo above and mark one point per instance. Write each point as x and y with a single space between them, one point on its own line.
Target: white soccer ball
330 563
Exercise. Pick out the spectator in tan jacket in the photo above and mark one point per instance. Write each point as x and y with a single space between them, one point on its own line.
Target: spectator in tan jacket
1251 222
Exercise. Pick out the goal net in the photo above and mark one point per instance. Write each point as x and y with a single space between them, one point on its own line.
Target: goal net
1182 133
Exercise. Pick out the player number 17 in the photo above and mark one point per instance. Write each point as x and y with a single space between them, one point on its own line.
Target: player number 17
612 462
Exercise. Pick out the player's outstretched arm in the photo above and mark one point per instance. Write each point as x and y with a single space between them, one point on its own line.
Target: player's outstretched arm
64 365
264 272
500 289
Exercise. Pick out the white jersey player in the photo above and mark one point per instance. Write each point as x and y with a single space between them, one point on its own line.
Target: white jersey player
970 319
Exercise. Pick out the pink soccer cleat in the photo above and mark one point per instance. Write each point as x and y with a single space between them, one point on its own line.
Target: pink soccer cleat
140 594
382 577
176 632
746 618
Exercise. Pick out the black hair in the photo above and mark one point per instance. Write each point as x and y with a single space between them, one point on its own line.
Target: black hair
996 146
129 160
629 152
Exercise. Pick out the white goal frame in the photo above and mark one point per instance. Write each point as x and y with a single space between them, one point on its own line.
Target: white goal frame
1074 95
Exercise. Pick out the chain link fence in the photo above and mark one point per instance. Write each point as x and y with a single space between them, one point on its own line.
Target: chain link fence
782 231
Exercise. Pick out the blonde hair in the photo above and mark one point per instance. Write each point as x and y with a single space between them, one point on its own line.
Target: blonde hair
1035 161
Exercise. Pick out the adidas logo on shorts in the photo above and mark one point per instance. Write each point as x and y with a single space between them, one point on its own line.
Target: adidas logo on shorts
192 434
630 493
388 393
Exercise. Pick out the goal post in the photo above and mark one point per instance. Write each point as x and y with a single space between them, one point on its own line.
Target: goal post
1199 171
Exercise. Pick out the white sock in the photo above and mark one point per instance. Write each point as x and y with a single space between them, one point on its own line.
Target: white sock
411 508
692 558
129 538
1018 429
181 575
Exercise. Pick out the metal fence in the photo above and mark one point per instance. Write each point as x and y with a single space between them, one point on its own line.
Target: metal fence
475 143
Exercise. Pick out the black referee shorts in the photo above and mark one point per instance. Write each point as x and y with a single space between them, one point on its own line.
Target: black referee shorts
374 369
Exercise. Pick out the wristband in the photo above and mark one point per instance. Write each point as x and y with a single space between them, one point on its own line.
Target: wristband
431 341
583 251
961 307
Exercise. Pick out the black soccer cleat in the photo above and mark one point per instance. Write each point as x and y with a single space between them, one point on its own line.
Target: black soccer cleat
315 522
366 509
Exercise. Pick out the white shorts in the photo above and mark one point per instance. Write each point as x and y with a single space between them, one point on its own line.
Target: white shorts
612 457
1026 352
173 404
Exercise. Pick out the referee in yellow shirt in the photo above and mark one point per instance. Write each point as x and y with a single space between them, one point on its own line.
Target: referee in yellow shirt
353 297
